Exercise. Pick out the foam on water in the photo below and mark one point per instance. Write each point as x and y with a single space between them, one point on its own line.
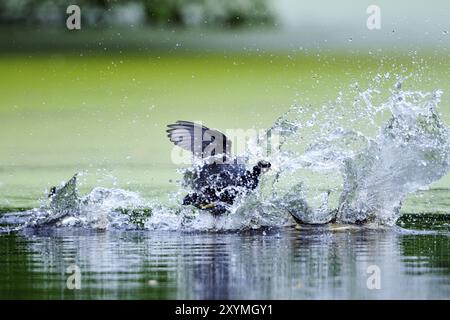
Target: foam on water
324 170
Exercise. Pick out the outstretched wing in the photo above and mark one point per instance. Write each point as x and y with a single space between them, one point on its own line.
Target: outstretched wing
200 140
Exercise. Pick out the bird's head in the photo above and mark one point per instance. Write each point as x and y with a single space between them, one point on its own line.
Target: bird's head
263 165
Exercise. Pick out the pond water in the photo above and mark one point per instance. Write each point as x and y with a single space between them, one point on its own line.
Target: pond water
380 156
276 263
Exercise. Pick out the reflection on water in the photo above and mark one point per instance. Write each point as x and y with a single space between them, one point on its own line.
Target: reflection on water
272 264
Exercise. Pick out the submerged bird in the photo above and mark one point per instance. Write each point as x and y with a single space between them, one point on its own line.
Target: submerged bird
220 178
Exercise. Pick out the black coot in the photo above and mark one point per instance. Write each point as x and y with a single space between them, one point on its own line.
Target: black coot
220 178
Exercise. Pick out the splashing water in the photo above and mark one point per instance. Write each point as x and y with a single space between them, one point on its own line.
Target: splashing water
323 171
119 209
373 175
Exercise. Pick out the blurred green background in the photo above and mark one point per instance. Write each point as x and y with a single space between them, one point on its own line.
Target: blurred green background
98 99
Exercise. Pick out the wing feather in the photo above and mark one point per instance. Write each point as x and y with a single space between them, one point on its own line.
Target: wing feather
195 137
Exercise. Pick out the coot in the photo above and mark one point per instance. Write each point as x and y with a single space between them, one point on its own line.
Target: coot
220 178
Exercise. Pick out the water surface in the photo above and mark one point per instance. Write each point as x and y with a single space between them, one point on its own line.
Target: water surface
278 263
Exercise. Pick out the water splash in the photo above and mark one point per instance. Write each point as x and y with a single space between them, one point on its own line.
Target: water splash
333 164
371 176
410 152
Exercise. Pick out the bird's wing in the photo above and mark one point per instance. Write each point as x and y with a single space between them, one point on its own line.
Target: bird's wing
197 138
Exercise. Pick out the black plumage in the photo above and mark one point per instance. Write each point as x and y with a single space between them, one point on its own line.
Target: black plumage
200 140
221 178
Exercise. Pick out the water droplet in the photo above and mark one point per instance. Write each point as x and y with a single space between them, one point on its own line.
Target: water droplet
152 283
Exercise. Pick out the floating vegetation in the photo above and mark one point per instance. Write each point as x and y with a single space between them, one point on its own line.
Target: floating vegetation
340 175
